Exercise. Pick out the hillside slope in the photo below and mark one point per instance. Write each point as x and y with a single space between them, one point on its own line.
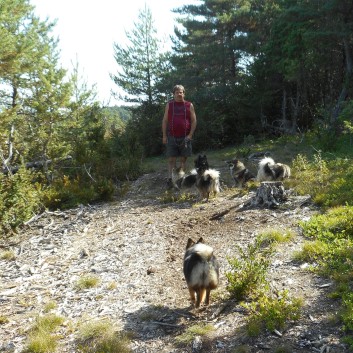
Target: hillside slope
135 246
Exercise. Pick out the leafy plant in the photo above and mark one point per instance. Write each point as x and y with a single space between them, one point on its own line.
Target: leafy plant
332 250
329 182
272 312
311 251
247 276
20 199
336 223
67 192
272 236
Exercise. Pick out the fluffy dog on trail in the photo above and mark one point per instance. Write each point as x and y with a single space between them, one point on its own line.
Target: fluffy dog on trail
240 174
271 171
201 271
207 179
182 181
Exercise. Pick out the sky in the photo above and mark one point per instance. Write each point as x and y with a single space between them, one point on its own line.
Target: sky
88 29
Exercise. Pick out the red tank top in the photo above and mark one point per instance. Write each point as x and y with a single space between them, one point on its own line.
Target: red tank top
179 118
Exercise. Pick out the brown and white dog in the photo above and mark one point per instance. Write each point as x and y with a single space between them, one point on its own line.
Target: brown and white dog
240 174
271 171
207 179
201 271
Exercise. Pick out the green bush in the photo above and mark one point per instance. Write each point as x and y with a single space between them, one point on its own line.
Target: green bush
247 276
329 182
20 199
336 223
332 251
66 192
272 312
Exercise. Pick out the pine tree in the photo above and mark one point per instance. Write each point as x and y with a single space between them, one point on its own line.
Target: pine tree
33 94
142 63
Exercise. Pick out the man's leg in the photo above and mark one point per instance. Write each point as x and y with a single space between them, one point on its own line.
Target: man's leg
171 165
183 162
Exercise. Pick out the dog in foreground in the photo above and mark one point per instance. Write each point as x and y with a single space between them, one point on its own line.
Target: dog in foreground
271 171
240 174
207 179
201 271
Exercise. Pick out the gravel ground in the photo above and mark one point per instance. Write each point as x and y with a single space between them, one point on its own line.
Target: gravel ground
135 247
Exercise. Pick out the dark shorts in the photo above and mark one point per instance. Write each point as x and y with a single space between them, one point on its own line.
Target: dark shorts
176 147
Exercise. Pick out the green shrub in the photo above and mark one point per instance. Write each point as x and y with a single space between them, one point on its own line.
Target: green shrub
272 312
247 276
329 182
20 199
272 236
336 223
332 250
66 192
312 251
313 178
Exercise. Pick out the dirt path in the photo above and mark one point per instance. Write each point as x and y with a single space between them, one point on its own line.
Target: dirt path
135 247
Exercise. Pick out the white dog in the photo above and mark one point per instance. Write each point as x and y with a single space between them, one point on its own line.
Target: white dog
271 171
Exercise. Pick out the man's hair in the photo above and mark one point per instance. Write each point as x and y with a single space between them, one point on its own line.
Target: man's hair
178 87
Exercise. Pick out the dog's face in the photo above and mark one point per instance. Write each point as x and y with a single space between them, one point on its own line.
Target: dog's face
233 164
201 163
230 164
236 166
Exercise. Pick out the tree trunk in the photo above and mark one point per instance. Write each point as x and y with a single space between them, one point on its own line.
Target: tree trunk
269 194
346 83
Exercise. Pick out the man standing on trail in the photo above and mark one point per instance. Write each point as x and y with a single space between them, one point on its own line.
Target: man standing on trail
178 126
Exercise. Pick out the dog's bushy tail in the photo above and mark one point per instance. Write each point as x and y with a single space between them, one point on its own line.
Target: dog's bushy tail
266 161
269 170
213 176
211 173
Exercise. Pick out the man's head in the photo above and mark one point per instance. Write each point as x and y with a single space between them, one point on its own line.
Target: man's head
178 93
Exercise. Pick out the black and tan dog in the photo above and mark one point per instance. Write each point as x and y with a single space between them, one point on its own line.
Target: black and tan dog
201 271
181 181
271 171
239 173
207 179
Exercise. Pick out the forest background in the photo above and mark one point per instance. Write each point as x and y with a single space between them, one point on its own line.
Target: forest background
254 70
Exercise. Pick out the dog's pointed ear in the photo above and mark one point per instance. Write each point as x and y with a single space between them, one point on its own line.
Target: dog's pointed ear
190 243
200 240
